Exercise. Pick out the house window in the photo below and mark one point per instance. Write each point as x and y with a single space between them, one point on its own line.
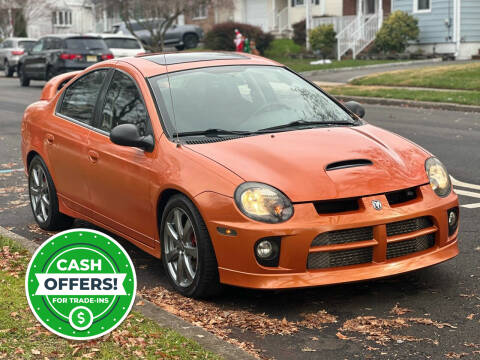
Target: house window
62 18
302 2
422 5
200 12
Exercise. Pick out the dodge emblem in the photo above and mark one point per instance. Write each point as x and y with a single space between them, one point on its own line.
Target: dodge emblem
377 205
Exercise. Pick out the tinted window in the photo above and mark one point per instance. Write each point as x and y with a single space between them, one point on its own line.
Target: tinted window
123 105
80 97
27 45
38 46
7 44
119 43
85 44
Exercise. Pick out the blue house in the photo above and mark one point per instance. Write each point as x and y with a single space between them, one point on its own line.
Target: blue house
446 26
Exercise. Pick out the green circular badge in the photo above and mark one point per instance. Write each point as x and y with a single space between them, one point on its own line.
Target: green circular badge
80 284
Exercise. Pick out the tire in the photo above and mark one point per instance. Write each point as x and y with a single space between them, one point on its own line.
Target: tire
190 41
43 198
205 280
8 69
180 47
24 80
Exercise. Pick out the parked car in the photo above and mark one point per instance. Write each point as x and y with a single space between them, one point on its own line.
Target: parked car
234 170
55 54
11 49
180 36
123 45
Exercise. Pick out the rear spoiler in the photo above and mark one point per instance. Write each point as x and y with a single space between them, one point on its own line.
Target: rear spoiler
56 83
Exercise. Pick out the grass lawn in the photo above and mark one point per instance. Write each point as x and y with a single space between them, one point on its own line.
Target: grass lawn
463 77
457 97
300 65
22 336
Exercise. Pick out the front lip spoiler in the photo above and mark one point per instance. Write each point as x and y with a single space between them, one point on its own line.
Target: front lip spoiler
338 275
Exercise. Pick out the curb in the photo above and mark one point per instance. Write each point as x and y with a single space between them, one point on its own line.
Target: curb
400 63
409 103
164 318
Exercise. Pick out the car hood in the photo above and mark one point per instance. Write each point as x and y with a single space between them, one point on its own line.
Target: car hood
295 161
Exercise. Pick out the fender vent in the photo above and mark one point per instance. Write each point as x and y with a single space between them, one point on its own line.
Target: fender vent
348 164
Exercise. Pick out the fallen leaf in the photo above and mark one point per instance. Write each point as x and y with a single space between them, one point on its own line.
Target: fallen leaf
140 303
470 317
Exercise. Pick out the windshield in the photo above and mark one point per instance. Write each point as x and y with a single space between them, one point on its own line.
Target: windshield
242 98
122 43
85 44
27 45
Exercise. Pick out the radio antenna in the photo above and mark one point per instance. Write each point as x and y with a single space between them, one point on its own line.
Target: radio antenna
171 100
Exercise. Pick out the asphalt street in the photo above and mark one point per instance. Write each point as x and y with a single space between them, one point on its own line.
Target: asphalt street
446 296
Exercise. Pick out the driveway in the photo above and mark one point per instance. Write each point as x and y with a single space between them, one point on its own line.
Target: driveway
433 313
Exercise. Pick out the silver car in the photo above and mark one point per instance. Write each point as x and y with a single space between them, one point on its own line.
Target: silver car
11 50
180 36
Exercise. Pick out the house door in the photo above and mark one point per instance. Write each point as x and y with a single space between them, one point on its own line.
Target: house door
256 13
369 7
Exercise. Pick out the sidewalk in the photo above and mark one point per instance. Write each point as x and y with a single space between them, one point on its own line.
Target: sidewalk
163 318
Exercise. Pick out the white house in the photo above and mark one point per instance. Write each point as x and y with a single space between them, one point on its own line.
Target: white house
60 16
278 16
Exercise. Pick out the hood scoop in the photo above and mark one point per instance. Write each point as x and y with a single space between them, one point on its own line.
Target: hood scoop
344 164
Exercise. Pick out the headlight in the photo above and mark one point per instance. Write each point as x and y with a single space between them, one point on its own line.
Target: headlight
263 202
438 176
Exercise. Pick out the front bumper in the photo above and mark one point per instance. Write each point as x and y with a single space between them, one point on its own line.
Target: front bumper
238 266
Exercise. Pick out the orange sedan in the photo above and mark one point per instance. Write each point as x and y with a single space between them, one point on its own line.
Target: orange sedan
233 169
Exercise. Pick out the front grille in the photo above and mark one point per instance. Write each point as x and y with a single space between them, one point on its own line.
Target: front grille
401 196
343 236
402 248
322 260
408 226
336 206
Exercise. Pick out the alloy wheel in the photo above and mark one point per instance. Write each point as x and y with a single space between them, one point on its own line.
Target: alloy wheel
39 194
181 252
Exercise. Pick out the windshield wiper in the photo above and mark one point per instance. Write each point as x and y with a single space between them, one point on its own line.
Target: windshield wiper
214 132
299 123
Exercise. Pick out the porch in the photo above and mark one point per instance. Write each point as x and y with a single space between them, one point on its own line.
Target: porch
356 27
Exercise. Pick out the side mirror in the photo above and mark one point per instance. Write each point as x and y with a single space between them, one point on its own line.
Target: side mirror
127 135
356 108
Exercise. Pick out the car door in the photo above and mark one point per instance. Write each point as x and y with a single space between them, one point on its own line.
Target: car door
35 61
67 139
2 53
122 176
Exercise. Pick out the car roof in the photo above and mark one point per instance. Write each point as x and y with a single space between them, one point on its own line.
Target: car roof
20 39
157 63
119 36
66 36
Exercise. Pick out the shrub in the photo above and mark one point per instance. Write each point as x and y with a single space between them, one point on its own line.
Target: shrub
322 39
283 47
396 32
299 33
221 36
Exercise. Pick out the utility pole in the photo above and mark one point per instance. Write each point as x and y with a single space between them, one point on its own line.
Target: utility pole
308 22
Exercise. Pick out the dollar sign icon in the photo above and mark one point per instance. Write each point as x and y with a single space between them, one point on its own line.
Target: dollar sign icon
80 318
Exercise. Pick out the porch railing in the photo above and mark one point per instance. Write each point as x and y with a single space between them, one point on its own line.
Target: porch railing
282 20
357 35
339 22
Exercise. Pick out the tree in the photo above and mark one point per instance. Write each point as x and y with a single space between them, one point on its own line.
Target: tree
157 16
396 32
323 39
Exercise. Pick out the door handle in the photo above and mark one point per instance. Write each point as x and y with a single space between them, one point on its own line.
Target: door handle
50 139
93 156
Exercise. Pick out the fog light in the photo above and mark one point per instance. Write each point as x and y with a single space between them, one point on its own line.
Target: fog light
452 220
264 249
267 251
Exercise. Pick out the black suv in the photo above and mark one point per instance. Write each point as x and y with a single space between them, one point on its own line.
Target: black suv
56 54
